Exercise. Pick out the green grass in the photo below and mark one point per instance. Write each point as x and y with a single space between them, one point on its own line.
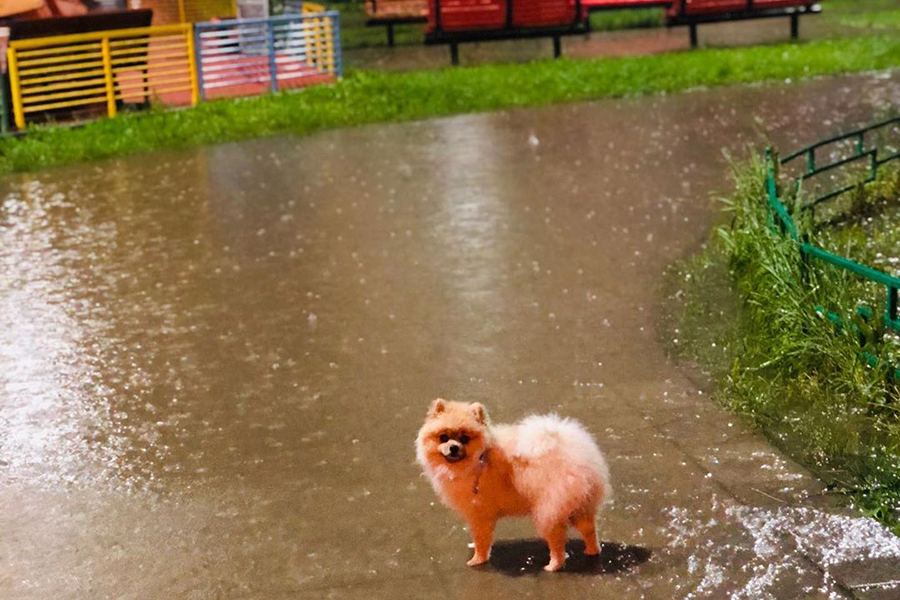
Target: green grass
858 6
372 97
871 14
883 241
743 311
872 230
886 19
612 20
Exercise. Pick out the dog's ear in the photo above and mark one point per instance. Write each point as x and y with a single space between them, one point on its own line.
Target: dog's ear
437 407
480 412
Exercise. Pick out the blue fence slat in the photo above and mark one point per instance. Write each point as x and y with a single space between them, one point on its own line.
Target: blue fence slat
197 61
338 52
241 54
273 65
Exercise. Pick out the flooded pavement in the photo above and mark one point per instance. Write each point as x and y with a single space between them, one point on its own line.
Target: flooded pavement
598 43
213 363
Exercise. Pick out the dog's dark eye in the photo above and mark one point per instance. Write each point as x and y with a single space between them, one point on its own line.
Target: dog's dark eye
464 439
444 438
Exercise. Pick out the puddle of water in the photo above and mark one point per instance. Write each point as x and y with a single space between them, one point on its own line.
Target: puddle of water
740 550
213 363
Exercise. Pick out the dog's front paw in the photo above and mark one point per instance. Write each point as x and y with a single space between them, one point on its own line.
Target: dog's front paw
554 565
477 560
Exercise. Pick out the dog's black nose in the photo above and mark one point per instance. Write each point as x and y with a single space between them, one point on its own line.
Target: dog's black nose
454 450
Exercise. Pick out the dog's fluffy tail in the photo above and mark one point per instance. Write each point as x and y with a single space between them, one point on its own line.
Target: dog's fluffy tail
541 435
560 463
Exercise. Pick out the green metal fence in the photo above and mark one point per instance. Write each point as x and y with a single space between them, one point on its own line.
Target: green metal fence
781 216
864 150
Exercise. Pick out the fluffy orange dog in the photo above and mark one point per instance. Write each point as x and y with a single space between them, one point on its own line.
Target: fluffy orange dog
543 466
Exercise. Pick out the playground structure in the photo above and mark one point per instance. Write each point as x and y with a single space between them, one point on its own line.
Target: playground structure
81 74
456 21
168 12
73 65
116 67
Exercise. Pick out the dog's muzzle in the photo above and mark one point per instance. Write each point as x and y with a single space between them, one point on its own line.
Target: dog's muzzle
453 452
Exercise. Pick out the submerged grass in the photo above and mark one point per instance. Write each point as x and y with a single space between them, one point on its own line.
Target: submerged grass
370 97
885 19
744 311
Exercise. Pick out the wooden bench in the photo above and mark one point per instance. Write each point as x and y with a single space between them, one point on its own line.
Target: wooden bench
692 13
454 22
458 21
387 13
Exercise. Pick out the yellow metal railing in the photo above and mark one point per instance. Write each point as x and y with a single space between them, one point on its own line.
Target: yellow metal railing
102 68
322 45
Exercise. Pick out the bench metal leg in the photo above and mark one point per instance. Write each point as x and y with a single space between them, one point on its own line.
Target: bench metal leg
454 54
390 32
795 26
557 47
693 33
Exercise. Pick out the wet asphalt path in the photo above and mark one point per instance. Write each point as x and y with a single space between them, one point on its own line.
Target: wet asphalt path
213 363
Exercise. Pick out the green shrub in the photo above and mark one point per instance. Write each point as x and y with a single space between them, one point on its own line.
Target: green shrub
796 373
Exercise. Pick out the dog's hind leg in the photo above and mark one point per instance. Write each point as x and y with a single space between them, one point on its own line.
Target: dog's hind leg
586 526
555 536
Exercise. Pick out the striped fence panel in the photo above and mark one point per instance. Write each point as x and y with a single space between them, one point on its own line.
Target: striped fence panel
242 57
102 70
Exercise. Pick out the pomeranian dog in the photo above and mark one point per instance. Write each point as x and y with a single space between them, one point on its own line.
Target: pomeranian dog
544 466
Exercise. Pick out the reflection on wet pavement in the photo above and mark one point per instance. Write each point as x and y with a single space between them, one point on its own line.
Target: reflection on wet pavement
528 557
213 363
